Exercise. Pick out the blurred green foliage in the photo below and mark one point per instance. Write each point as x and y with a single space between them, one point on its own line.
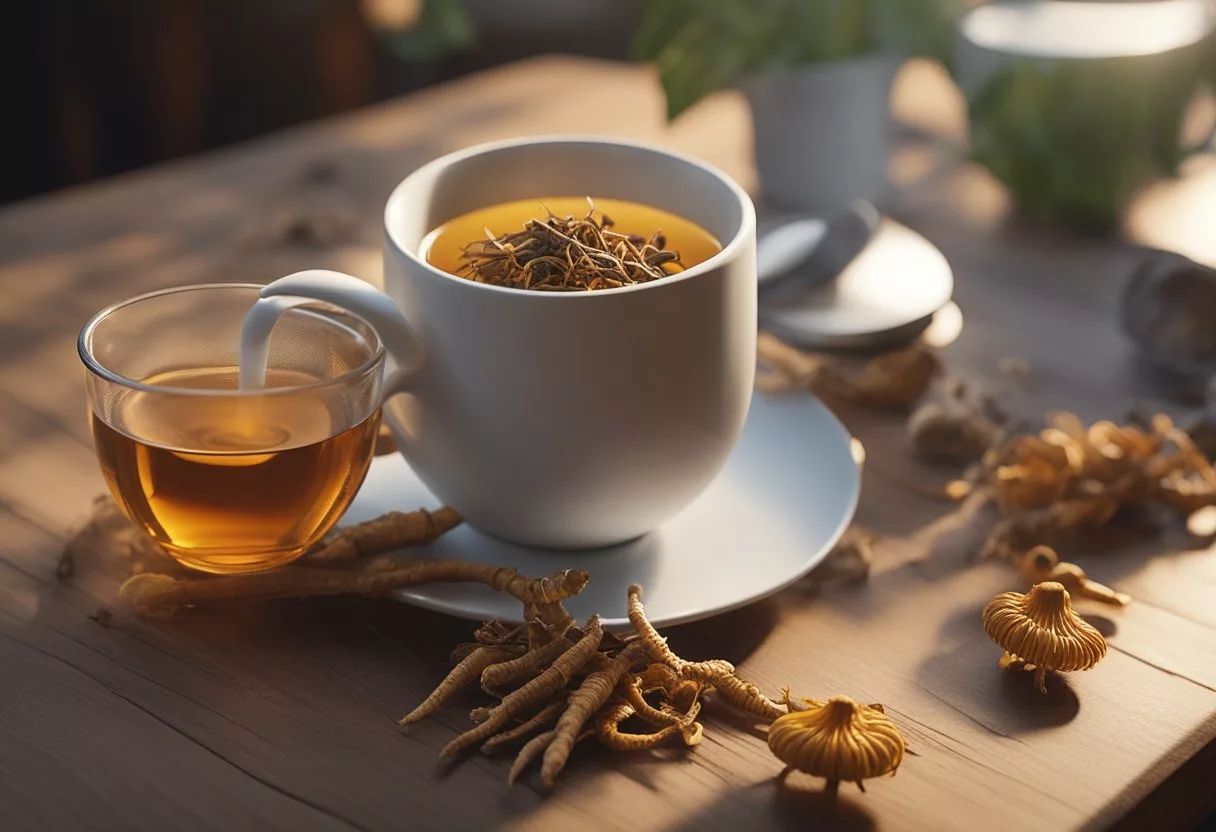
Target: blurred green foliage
1074 140
701 46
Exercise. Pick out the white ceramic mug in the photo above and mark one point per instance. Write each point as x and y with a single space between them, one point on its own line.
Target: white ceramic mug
822 132
562 419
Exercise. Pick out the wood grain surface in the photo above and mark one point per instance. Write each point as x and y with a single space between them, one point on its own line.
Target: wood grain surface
279 715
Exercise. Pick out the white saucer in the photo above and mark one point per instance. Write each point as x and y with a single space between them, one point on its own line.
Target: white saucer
897 283
786 495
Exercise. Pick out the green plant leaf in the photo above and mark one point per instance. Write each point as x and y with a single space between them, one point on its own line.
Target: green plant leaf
714 49
701 46
688 71
659 21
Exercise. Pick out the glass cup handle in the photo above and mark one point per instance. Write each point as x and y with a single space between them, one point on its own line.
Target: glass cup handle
363 299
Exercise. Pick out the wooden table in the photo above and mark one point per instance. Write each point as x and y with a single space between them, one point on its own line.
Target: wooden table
279 715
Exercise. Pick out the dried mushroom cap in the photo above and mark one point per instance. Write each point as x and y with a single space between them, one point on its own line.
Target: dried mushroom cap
1040 631
837 740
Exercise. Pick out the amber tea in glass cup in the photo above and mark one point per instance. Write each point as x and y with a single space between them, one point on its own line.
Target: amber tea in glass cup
230 480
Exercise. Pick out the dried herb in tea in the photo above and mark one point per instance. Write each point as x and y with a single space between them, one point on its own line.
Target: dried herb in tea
569 253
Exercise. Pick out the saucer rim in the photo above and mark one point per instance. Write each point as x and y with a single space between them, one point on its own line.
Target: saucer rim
419 597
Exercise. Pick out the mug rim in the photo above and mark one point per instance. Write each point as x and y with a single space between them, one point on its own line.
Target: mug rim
84 350
747 224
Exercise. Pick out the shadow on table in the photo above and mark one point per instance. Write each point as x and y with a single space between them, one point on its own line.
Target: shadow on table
799 804
963 674
733 636
1106 626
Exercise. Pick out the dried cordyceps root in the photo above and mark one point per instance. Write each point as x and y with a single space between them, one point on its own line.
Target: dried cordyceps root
1043 564
657 649
490 634
394 530
720 675
630 690
659 676
536 693
527 754
669 713
582 705
572 678
898 378
568 254
893 379
953 425
680 693
1040 631
149 593
745 696
540 719
608 729
462 675
496 632
498 677
837 740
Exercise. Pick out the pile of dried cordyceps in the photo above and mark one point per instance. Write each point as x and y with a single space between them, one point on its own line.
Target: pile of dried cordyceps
558 683
549 675
1069 478
567 254
1050 485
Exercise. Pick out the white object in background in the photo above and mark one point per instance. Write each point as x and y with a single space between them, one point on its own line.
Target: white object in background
899 280
782 251
995 34
564 419
782 501
809 251
823 132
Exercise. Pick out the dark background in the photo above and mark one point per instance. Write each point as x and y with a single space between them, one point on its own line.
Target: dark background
96 87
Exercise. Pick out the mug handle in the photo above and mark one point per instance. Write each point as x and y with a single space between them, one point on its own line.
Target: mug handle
350 293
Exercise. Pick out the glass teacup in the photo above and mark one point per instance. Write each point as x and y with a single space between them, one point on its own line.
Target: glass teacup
231 480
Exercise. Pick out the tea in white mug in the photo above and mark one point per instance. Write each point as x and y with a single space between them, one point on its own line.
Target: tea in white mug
568 244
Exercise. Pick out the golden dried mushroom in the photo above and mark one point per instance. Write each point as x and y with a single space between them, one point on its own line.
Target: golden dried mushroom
1040 631
1043 564
837 740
